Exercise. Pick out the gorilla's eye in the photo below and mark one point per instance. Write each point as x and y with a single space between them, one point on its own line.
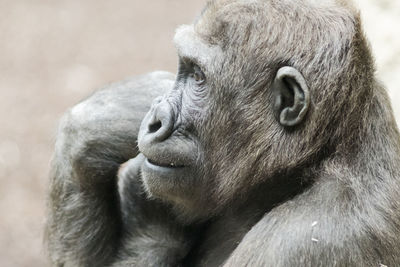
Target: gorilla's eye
198 75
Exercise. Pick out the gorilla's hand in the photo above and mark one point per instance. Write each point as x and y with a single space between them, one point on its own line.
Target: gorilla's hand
151 236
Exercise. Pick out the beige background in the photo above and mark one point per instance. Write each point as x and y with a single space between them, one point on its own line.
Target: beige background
53 53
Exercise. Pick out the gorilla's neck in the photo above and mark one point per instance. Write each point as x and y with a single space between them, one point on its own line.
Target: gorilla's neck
373 151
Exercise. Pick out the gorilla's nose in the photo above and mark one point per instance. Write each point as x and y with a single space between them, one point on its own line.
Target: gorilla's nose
158 123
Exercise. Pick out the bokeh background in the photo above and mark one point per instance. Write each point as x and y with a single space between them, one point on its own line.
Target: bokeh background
55 52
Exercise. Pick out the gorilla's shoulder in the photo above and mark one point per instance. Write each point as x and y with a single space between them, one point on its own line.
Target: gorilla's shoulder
151 84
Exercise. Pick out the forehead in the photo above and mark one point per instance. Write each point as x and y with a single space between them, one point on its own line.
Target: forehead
189 44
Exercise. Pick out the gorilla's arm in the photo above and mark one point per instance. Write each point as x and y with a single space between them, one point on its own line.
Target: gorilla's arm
325 226
85 226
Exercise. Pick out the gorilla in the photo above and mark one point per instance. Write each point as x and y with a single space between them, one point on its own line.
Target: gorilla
274 145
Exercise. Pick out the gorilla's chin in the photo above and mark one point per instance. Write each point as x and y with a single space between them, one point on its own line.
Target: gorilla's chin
166 182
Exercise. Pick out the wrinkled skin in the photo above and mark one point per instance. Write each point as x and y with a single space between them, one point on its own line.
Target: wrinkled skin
274 146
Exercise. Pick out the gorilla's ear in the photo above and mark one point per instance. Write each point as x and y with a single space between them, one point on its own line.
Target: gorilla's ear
291 96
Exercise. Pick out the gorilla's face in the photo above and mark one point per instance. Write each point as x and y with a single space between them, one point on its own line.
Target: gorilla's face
191 137
219 131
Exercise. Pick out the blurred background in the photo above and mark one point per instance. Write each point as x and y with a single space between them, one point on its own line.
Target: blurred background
54 53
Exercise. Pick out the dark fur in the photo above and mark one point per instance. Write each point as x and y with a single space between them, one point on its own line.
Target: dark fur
323 193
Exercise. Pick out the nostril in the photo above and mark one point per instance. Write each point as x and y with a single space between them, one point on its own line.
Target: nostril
154 127
157 125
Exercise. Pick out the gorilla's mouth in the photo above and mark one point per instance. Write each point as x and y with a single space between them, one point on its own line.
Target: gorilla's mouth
172 165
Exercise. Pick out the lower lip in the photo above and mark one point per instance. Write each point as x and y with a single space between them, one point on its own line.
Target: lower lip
164 169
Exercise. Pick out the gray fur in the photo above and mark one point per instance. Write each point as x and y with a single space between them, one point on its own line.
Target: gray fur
325 192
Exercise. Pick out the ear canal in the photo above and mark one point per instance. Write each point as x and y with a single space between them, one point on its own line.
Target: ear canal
291 96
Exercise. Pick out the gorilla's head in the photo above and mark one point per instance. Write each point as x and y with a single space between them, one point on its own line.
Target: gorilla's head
260 91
